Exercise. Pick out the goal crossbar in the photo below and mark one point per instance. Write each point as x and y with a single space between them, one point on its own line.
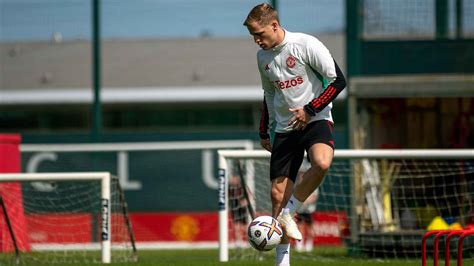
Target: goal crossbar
367 154
103 177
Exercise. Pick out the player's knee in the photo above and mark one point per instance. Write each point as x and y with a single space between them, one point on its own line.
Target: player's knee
322 164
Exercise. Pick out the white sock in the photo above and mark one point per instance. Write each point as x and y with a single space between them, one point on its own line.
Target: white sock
293 205
282 255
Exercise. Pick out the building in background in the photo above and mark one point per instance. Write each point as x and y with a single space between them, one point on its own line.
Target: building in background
411 76
163 77
410 85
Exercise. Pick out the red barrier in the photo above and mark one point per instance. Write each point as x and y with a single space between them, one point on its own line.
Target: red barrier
447 251
436 241
438 234
461 239
423 245
12 196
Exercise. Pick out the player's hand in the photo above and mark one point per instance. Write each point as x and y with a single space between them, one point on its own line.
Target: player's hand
299 120
266 144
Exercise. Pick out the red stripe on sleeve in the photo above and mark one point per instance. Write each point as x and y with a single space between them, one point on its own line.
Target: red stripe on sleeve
324 98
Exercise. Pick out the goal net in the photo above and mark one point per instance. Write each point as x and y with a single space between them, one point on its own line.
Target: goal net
63 218
375 203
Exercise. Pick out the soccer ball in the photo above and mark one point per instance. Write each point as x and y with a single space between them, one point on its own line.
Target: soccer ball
264 233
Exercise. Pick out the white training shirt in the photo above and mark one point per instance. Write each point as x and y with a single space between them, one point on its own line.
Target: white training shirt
289 78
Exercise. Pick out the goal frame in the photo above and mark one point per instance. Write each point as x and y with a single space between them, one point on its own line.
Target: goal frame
105 180
223 207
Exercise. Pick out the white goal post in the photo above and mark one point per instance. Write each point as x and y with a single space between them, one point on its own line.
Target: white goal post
105 196
372 163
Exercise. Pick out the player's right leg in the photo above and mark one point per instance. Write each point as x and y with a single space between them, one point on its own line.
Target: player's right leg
285 162
281 190
282 174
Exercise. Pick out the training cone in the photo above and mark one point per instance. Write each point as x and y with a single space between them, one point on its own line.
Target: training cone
438 223
455 226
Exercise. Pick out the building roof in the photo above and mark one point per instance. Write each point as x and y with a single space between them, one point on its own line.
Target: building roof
143 70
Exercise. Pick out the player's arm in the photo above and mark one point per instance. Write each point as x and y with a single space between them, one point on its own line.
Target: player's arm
267 112
328 95
264 121
264 128
321 61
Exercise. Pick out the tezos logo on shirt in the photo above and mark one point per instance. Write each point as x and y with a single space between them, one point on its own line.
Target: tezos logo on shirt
286 84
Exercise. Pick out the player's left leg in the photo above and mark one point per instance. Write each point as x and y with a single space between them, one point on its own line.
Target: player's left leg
318 141
321 156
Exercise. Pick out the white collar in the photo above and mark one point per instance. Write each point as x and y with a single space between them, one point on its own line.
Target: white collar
283 43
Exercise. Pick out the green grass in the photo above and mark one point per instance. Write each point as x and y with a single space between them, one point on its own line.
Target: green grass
332 257
321 256
210 257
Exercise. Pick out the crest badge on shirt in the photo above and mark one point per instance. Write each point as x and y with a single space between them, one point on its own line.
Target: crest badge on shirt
290 61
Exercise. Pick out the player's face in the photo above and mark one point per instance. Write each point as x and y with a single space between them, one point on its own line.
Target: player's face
264 36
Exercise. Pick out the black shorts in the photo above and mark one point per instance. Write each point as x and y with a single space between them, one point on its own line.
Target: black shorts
288 148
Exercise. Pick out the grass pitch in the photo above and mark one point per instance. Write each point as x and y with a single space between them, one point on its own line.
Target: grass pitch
210 257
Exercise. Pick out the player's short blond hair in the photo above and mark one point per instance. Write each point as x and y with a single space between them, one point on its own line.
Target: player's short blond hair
264 14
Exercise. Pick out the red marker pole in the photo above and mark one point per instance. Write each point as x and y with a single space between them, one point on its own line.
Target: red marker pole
12 196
